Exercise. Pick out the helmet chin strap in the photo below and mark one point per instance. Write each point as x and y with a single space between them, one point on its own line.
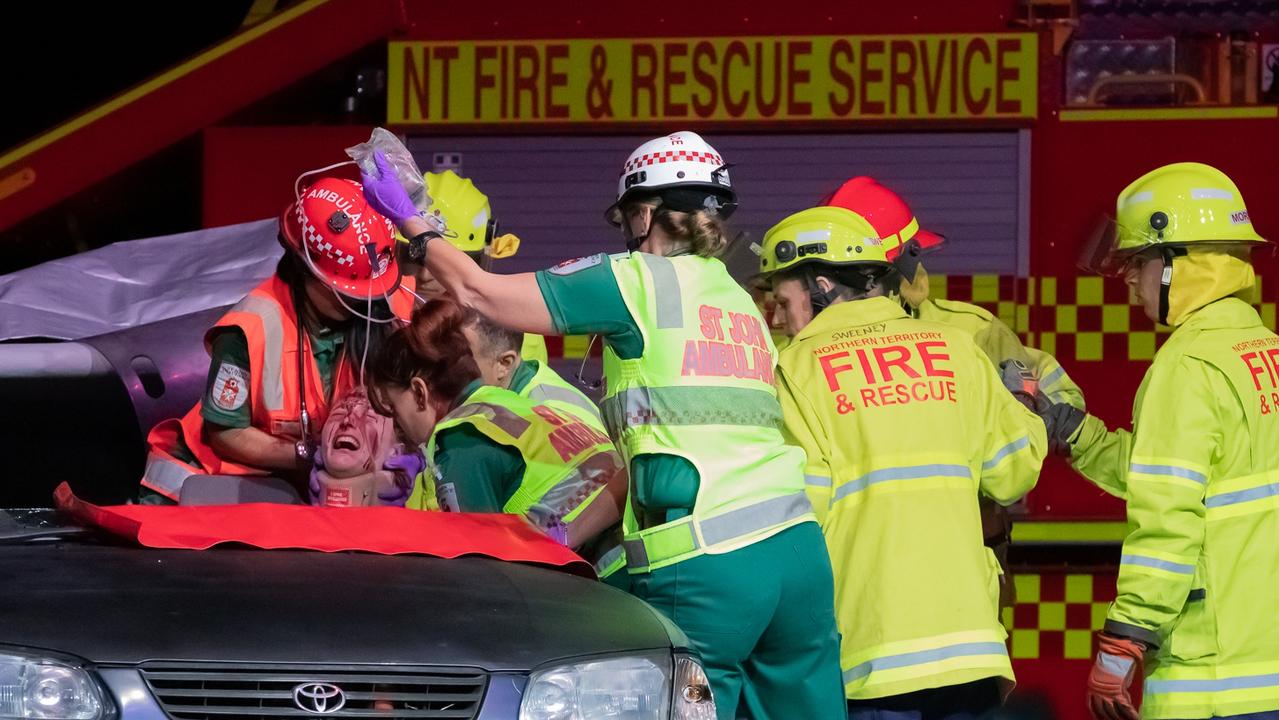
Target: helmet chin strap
633 242
1165 281
818 298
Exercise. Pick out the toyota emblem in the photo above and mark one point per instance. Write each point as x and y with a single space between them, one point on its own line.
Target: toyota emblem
319 698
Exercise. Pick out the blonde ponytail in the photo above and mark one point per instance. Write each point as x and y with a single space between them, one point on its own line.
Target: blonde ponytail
703 230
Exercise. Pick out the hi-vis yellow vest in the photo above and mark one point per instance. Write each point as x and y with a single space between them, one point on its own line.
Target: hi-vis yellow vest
703 390
567 463
549 388
904 422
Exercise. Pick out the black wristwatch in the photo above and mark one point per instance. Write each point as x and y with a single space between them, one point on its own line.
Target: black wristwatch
417 246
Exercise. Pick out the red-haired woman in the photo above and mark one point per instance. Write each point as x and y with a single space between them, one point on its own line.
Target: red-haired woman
488 449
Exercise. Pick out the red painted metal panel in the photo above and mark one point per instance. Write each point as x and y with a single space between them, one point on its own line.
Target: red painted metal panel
515 19
330 30
249 171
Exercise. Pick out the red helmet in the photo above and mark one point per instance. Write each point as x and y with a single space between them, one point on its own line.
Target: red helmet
890 216
349 245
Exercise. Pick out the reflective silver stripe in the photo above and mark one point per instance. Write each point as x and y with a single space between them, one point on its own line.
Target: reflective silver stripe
1114 664
1240 496
913 472
268 312
691 406
507 421
924 656
1140 197
545 392
573 490
1143 561
636 553
666 292
731 525
609 562
817 481
754 518
165 475
1052 377
1005 451
1156 687
1170 470
1211 194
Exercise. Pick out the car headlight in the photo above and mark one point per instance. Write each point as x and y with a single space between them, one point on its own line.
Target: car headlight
637 687
39 687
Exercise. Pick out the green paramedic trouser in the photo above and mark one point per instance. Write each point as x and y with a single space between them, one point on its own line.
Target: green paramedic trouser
763 619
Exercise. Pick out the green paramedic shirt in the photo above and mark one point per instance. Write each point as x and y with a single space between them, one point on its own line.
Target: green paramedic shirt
230 357
583 298
481 474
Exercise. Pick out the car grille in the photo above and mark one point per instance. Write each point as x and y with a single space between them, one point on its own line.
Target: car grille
267 692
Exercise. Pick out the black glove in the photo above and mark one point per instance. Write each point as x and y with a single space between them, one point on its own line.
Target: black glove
1061 421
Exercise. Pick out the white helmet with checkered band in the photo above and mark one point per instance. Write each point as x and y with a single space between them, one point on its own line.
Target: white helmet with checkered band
682 169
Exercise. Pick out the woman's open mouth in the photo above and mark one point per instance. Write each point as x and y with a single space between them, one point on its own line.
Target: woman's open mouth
346 441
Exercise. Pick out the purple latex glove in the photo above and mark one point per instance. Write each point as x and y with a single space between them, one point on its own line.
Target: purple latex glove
314 486
558 532
384 192
406 466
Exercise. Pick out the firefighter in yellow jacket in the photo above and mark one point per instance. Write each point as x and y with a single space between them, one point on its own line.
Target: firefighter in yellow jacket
1199 575
904 422
905 244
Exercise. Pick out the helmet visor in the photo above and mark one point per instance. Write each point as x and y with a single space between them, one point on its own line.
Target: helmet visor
1100 254
1113 246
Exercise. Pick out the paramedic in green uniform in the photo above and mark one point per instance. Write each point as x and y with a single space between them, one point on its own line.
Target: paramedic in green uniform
720 535
498 352
488 449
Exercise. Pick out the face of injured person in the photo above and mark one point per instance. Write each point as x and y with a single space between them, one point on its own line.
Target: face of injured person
355 439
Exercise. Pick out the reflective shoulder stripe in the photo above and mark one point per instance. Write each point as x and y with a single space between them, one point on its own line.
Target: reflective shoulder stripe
1170 566
166 475
1012 447
547 391
268 311
913 472
817 481
666 291
507 421
1170 471
678 405
923 656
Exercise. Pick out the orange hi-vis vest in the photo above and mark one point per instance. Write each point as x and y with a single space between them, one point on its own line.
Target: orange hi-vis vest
270 324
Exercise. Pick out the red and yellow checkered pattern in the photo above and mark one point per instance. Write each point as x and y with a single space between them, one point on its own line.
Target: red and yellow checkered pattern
1073 318
1058 614
1090 318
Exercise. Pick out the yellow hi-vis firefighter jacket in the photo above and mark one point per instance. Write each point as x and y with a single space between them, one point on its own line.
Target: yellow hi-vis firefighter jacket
1000 343
1199 573
904 422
